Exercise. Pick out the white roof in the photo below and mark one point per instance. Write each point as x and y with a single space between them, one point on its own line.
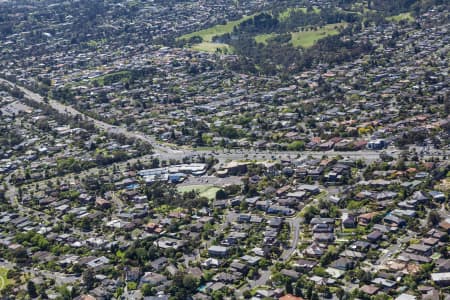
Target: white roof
406 297
440 276
218 248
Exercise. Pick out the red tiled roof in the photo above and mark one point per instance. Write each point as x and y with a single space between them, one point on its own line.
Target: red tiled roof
290 297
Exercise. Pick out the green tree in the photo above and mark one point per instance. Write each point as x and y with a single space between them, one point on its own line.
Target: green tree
31 288
288 287
296 146
434 218
190 282
147 290
340 293
65 293
309 213
20 255
155 163
88 279
221 194
247 294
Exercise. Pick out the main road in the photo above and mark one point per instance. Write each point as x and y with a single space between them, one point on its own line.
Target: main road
167 152
68 110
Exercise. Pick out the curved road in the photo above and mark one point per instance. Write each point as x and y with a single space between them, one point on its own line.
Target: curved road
295 224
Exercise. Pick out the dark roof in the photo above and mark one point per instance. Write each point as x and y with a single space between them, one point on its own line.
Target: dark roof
374 235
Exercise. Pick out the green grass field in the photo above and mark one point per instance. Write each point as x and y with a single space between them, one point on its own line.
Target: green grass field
206 191
308 38
404 16
305 38
301 38
285 14
212 47
112 77
208 33
262 38
3 280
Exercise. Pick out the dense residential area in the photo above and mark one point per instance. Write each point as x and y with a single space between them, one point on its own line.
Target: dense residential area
224 150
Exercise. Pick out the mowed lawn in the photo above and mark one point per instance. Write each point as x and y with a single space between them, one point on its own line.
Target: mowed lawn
287 13
308 38
262 38
404 16
207 191
3 280
208 33
212 47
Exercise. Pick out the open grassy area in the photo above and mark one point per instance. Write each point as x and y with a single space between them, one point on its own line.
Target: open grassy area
208 33
3 280
360 7
300 38
404 16
285 14
206 191
308 38
112 77
212 47
262 38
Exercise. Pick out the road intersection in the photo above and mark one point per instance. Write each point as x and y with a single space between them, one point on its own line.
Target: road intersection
170 152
